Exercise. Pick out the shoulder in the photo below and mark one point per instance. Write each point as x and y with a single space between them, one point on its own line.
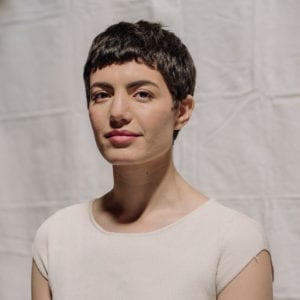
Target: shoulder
54 230
65 215
226 223
60 220
233 222
242 239
238 230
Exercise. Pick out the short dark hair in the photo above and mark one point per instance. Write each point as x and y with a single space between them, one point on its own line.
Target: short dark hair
147 42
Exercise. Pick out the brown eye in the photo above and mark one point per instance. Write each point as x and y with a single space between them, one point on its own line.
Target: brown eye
143 96
98 96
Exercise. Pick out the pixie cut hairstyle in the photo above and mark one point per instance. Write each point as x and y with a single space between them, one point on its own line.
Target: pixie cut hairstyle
147 43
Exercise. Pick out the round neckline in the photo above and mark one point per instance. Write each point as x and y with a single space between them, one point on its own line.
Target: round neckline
202 207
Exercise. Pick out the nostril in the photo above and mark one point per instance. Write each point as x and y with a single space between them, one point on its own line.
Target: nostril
118 123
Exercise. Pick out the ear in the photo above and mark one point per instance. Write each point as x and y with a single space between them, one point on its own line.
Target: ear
184 112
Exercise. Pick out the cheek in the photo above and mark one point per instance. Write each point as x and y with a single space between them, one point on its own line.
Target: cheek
161 124
96 120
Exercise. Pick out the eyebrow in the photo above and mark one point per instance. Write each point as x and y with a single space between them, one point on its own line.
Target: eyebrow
138 83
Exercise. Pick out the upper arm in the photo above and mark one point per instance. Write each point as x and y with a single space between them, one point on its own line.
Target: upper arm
253 282
40 289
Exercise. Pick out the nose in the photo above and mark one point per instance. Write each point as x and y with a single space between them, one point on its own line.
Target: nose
119 112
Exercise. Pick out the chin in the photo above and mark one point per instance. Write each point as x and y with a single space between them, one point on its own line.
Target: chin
123 158
119 156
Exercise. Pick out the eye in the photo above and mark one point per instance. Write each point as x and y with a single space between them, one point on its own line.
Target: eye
143 96
99 96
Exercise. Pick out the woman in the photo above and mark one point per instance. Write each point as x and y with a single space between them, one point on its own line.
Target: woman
153 236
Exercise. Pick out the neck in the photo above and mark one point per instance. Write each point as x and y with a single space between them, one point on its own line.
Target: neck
141 189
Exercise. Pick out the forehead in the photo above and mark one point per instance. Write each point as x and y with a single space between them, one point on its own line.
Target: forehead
126 73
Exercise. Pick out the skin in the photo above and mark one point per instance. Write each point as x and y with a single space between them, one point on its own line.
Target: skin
145 179
148 192
40 289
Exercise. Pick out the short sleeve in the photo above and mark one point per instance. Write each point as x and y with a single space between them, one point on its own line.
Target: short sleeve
243 239
40 249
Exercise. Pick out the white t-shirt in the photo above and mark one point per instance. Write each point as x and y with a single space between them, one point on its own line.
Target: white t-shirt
192 258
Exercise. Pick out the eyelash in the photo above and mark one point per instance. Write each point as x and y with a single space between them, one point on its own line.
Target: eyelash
100 96
94 97
148 97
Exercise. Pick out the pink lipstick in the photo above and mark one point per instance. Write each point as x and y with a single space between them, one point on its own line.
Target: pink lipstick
121 138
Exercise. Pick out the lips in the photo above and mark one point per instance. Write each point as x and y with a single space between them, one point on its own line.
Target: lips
121 138
120 133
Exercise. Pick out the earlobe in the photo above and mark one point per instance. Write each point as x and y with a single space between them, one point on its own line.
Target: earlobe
184 112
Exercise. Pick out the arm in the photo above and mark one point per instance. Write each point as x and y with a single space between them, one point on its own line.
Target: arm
40 289
253 282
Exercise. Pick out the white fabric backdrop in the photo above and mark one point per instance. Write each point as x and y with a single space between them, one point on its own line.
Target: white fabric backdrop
242 145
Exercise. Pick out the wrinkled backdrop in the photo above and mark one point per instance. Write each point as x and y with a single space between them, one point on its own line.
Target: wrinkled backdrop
242 145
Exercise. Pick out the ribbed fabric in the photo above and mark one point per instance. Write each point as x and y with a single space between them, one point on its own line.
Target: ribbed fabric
192 258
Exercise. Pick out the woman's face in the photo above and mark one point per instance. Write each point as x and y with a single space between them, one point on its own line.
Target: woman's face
131 112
